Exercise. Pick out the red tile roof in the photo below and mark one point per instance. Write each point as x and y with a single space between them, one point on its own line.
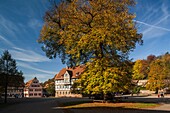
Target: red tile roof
28 84
74 72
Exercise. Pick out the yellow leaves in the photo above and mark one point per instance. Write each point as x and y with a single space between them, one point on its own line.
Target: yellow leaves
98 31
159 73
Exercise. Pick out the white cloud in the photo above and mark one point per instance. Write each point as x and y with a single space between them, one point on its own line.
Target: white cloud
154 18
27 55
8 26
41 77
164 9
6 41
152 30
26 65
34 23
153 26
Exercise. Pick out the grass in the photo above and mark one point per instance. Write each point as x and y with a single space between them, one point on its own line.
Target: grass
73 103
82 105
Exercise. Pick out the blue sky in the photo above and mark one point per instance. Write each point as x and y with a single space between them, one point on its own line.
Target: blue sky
22 20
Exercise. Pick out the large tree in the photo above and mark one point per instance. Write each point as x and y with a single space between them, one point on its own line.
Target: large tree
9 74
98 33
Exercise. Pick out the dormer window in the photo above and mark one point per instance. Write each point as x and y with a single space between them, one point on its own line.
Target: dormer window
65 75
35 82
77 74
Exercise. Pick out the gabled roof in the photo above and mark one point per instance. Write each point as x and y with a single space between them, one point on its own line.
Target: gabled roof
28 84
73 72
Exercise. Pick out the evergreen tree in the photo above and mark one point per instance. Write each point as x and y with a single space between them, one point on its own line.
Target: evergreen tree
9 74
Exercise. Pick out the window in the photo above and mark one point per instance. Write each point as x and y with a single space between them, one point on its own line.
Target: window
31 94
77 74
30 89
66 80
25 89
35 94
65 75
35 85
35 82
37 89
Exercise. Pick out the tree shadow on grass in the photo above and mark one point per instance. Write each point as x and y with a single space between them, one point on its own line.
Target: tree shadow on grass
109 109
103 109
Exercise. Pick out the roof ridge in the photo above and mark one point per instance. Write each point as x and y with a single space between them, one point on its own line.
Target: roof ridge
75 70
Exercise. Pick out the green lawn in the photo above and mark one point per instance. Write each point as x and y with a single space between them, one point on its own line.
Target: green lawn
81 104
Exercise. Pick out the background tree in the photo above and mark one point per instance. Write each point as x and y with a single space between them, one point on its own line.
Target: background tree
9 73
156 76
166 60
150 58
159 74
141 68
98 33
137 70
49 87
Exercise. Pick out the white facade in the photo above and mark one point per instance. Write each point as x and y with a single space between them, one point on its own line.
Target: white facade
33 89
63 87
64 81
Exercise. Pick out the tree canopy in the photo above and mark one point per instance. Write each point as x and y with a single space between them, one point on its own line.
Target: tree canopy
97 33
141 68
159 74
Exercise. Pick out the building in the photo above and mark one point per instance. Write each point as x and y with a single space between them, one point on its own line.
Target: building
16 92
33 88
141 83
64 80
15 87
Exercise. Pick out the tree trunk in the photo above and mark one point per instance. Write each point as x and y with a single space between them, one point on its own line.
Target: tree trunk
156 91
6 87
104 97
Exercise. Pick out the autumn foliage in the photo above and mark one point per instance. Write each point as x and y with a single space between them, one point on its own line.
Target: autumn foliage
97 33
155 69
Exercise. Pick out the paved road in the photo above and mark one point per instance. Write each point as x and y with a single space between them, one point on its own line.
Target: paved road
50 105
43 105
